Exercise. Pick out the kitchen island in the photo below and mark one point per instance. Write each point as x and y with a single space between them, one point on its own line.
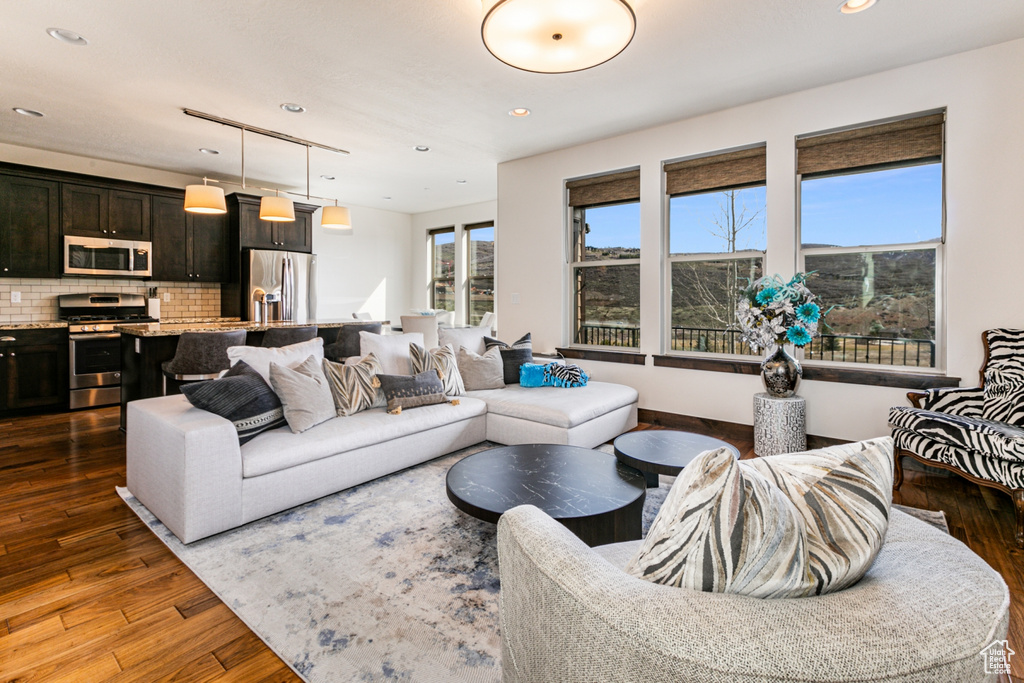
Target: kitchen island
145 347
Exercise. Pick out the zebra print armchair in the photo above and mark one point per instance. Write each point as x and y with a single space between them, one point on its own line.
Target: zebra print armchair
977 432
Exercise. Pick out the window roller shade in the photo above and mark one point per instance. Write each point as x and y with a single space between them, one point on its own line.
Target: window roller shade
913 139
605 189
731 169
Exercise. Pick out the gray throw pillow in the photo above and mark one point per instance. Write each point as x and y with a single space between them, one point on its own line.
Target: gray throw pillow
305 394
481 372
412 391
243 397
513 356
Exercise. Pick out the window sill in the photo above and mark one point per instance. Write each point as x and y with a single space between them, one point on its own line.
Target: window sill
628 357
867 376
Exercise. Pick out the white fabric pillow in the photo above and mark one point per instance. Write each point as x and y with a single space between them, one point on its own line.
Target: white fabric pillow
469 338
392 350
259 358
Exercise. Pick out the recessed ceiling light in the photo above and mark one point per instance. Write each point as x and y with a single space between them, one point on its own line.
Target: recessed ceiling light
328 177
854 6
519 112
207 150
421 148
66 36
461 182
28 112
293 108
388 198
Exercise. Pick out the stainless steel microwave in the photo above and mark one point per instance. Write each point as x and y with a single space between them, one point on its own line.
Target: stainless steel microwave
100 256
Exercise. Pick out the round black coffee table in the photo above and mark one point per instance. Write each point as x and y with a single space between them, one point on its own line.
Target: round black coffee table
592 494
663 451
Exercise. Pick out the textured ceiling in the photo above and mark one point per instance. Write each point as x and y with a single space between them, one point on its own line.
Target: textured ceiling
382 76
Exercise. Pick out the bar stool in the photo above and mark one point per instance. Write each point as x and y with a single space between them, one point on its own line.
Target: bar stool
201 356
283 336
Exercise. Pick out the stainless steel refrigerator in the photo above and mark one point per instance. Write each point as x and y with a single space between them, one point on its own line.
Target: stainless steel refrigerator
279 285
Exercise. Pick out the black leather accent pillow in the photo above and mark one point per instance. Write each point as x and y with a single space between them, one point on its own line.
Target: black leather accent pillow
347 343
513 356
412 391
241 396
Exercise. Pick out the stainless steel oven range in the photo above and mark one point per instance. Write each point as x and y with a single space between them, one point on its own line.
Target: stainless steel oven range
94 347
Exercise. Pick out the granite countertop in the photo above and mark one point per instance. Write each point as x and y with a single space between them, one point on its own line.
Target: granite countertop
173 328
56 325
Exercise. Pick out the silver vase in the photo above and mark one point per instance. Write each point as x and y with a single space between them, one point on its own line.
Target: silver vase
781 373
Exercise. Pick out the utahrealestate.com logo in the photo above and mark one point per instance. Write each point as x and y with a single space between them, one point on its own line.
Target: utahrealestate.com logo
997 657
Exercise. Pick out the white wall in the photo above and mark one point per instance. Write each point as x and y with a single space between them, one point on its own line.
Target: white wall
459 217
365 270
985 231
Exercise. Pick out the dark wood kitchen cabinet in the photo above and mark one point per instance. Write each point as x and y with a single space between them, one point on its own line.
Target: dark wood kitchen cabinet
88 211
30 243
255 233
33 369
189 247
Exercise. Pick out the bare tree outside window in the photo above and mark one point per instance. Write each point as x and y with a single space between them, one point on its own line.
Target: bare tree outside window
716 248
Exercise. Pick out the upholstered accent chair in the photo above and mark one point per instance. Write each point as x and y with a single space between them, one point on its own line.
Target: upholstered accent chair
977 432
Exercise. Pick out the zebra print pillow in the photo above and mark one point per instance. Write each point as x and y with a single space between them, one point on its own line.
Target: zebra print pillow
725 529
352 386
441 359
784 526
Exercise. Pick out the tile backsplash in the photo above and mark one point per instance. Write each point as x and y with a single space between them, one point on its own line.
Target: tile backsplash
39 297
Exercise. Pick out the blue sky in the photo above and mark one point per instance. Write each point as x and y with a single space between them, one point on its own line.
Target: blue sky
895 206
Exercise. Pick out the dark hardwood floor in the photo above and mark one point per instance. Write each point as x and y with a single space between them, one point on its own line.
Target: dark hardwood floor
87 593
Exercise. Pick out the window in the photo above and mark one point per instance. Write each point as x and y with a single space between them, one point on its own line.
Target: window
717 240
871 226
605 260
442 269
480 269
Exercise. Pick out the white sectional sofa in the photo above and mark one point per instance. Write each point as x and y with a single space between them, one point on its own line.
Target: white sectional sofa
186 466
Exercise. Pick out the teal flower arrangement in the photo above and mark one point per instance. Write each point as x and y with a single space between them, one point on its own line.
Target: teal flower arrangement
774 312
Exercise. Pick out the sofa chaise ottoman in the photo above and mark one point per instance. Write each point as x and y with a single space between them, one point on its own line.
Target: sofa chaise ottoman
187 467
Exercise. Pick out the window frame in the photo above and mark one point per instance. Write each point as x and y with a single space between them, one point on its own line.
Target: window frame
468 232
668 258
573 265
938 246
431 236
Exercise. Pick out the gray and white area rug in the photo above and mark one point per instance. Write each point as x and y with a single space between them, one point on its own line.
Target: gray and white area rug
387 581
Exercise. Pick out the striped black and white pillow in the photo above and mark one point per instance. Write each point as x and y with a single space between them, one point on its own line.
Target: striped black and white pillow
241 396
352 386
784 526
443 360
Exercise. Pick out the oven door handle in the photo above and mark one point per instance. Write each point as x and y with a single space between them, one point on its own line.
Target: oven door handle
87 337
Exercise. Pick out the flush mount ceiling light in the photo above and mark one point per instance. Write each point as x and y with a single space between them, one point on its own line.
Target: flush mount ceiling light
66 36
421 148
519 112
205 199
854 6
29 112
293 108
557 36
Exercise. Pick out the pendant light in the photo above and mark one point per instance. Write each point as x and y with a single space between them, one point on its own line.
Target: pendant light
277 208
336 217
205 199
557 36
